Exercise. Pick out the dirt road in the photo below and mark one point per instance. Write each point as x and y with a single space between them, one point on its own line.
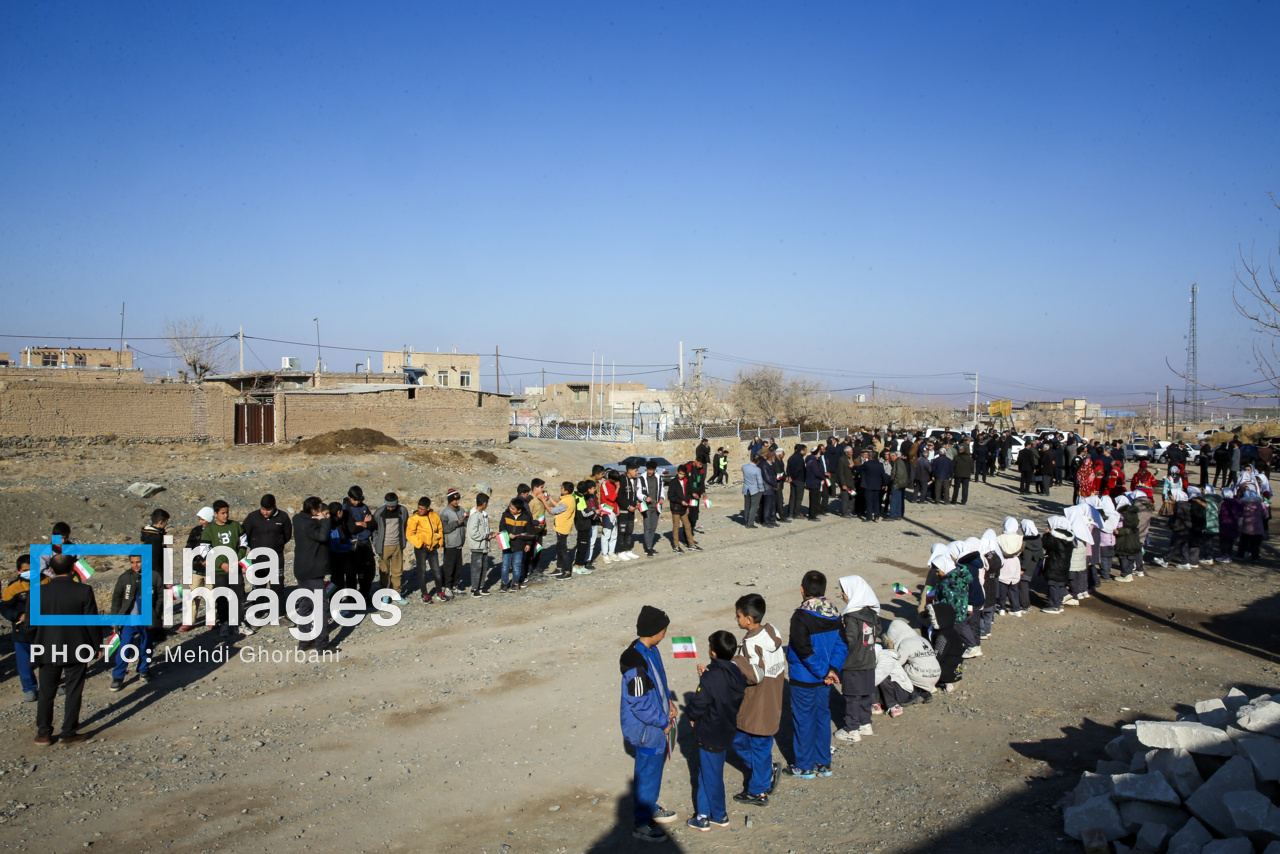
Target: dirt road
491 725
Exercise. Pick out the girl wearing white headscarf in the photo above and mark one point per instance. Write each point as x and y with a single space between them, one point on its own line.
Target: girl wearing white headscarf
969 623
859 625
994 560
1059 546
1080 524
1011 570
1180 527
1029 562
1254 514
1228 524
1105 537
1128 543
949 606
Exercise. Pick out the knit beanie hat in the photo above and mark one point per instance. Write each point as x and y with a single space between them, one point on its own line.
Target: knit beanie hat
651 621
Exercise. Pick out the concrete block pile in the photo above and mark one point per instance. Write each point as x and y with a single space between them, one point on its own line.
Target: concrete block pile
1207 783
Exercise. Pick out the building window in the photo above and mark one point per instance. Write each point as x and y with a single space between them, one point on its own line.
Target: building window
577 396
81 360
442 378
48 360
464 379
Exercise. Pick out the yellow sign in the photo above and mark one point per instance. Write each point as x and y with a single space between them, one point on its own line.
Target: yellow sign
1000 408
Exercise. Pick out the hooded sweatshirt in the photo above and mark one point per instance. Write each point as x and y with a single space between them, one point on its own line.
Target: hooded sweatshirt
860 623
762 658
1032 550
916 656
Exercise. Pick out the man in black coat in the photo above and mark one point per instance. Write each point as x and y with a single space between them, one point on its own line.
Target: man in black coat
795 477
1028 461
63 652
311 564
269 528
981 453
871 477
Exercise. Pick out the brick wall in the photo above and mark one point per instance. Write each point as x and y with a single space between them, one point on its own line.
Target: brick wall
11 373
129 411
433 415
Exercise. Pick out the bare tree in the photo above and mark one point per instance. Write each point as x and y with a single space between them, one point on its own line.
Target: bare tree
201 348
701 401
758 394
1256 294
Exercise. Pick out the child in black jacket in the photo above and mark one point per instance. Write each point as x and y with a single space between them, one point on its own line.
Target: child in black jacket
714 713
860 625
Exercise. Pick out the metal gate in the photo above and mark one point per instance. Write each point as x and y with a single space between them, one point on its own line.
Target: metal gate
255 423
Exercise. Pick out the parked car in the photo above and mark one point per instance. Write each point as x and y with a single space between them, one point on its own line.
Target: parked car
1160 452
1137 451
666 468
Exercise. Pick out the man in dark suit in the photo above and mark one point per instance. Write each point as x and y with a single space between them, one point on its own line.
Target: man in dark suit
57 647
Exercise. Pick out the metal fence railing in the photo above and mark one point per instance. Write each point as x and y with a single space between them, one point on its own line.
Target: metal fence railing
655 432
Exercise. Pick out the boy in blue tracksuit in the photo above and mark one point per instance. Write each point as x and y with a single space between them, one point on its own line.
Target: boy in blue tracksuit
714 714
815 653
648 713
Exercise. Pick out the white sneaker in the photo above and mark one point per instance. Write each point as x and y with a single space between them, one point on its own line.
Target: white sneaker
1018 613
865 729
848 735
246 631
1125 579
1184 566
607 558
973 652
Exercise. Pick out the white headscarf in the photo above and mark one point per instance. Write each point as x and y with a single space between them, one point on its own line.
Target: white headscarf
1110 517
859 594
972 544
1193 492
1135 496
1123 501
989 542
955 548
1010 525
940 559
1228 492
1179 495
1059 523
1029 528
1079 519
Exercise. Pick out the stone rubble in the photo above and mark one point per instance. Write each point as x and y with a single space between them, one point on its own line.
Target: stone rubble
1203 784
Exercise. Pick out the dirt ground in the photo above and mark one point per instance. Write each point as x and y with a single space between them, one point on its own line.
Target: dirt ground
491 725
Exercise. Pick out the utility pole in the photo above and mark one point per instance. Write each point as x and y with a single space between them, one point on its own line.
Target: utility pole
699 351
120 352
973 377
1192 395
497 373
591 389
873 391
1168 413
318 357
241 337
681 363
544 382
612 382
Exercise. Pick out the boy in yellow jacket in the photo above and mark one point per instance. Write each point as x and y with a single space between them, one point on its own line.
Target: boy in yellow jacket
425 532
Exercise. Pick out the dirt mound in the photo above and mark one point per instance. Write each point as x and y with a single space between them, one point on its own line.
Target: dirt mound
357 440
486 457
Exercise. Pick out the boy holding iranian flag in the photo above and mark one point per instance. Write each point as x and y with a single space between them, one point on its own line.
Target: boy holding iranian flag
648 715
126 601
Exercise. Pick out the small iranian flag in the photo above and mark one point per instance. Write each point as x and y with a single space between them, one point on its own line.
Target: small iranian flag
899 590
113 644
683 648
505 539
83 569
706 502
245 566
644 506
329 589
176 592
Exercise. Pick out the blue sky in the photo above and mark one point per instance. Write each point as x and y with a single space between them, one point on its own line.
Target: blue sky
881 191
